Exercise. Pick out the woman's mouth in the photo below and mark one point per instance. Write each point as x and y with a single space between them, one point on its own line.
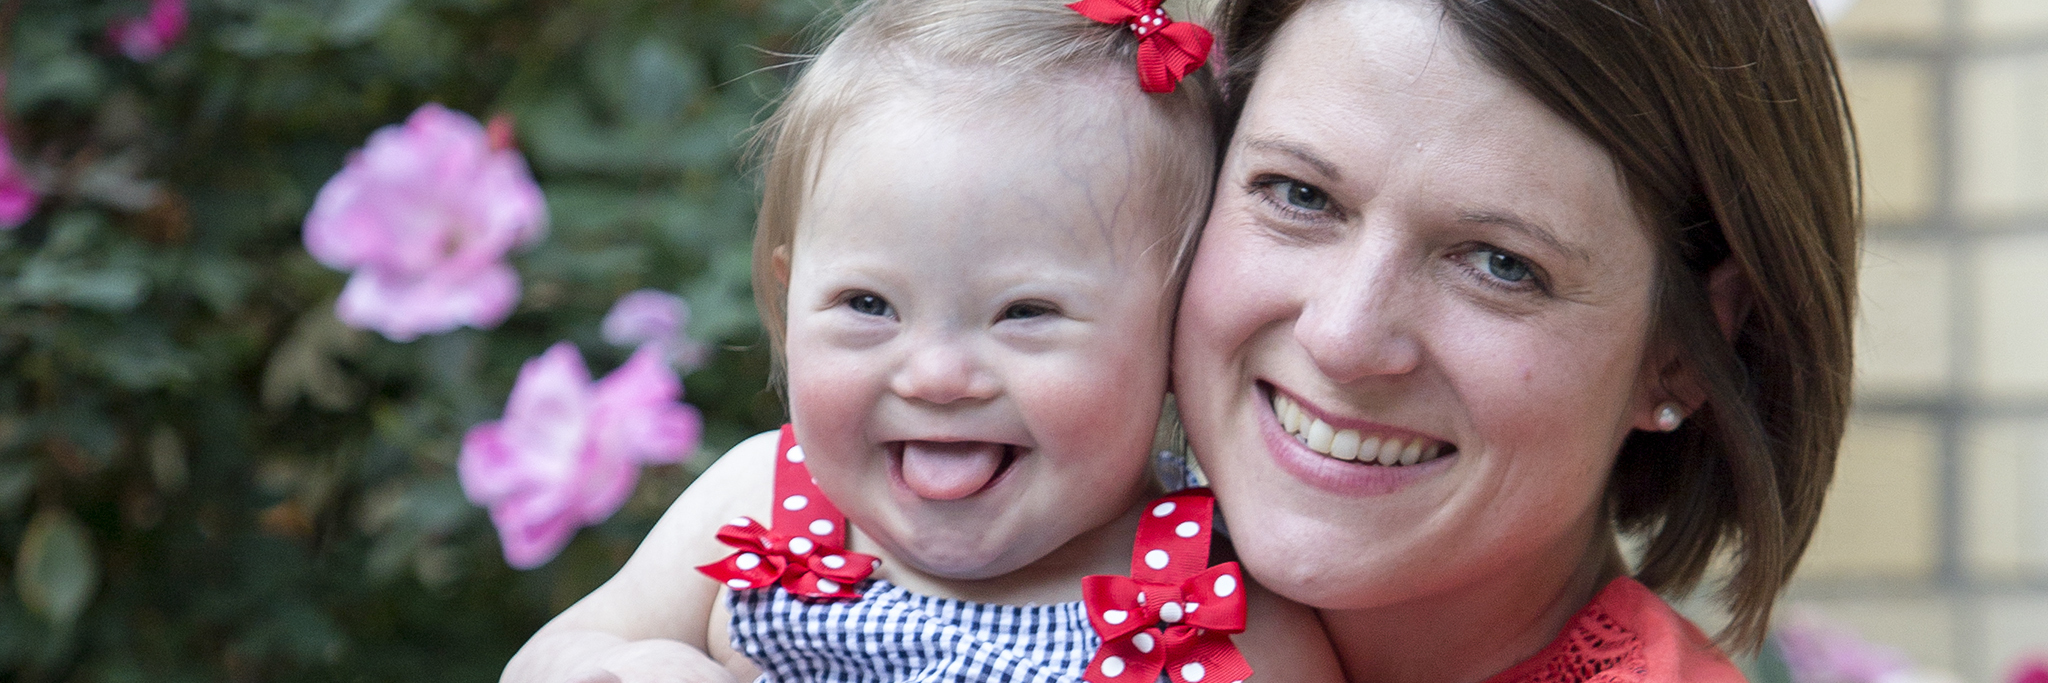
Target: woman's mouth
1366 447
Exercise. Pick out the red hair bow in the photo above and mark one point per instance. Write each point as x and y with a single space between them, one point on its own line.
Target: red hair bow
1168 50
1171 615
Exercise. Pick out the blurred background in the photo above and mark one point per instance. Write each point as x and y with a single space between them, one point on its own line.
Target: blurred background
1935 536
205 476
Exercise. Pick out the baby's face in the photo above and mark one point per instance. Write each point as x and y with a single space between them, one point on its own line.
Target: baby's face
978 330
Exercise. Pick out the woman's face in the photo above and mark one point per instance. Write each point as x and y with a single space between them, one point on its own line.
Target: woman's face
1407 249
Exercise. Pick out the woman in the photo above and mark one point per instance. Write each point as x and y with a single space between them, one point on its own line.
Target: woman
1488 282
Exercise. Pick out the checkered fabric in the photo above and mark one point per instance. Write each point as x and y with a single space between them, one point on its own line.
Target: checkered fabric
891 635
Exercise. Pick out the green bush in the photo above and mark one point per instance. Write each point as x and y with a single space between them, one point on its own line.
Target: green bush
203 476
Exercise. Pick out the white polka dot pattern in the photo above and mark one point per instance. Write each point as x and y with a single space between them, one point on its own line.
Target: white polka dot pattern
795 503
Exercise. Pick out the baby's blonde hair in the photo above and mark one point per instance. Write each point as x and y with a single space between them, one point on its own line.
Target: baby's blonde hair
1003 50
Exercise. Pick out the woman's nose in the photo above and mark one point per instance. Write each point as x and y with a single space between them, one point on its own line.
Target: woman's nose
943 371
1358 322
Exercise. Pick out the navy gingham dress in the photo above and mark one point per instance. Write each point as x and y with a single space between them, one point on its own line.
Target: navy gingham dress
892 635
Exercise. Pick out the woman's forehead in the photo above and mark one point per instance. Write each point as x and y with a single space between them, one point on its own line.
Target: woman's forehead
1375 98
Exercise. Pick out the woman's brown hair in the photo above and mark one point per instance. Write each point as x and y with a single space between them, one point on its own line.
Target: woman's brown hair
1727 119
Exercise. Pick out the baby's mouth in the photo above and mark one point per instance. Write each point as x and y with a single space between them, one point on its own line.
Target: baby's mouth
951 470
1351 445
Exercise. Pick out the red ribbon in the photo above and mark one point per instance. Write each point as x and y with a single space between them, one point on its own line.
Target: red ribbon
1168 50
1171 614
806 552
802 565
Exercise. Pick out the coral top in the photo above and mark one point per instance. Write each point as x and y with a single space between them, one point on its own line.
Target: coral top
1627 635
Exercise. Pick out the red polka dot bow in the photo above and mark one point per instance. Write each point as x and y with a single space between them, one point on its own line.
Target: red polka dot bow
812 560
1171 614
1168 50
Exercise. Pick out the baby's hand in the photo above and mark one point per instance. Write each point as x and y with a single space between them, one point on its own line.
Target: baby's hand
652 661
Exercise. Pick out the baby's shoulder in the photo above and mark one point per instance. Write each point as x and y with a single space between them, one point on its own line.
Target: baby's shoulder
739 484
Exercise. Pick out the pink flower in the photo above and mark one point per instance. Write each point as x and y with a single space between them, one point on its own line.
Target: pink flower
651 316
425 215
568 452
17 195
1817 651
148 37
2032 670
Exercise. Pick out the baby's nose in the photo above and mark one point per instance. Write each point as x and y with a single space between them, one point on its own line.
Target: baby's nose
944 371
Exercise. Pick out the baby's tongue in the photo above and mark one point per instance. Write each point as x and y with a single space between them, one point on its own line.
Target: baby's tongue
949 471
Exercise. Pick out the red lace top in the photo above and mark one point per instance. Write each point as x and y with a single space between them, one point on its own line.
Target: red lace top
1627 635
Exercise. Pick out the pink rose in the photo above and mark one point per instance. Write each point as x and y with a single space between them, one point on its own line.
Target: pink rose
425 215
651 316
568 452
17 194
148 37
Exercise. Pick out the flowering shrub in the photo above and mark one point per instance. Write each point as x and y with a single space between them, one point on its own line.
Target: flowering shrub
425 216
568 452
17 195
209 471
147 37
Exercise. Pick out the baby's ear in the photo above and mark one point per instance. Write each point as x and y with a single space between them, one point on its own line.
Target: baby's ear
781 259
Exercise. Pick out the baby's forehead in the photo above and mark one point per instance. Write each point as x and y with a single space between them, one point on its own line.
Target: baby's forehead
1017 150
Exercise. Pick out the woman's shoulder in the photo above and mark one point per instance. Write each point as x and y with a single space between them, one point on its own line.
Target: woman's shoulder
1627 634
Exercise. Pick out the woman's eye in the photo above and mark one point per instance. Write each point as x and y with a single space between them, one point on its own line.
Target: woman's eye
1507 267
1025 311
869 304
1302 195
1503 266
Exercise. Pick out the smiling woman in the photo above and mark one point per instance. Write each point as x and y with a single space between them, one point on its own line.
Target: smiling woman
1486 283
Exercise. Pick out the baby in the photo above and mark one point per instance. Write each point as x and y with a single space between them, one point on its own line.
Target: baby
973 234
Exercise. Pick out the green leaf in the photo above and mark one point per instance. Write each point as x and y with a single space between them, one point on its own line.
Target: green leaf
57 570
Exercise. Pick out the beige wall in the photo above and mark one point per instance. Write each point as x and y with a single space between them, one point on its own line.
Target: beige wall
1935 539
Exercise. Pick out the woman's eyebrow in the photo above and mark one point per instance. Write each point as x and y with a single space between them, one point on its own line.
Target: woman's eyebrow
1533 229
1297 150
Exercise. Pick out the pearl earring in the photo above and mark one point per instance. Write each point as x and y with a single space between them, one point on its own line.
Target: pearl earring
1669 417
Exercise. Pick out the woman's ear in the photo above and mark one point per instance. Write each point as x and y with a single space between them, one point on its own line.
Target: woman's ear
1667 379
1728 293
781 264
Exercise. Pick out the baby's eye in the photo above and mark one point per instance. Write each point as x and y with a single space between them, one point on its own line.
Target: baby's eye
869 304
1025 310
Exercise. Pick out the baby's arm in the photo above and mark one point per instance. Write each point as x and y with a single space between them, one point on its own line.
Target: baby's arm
659 620
1284 641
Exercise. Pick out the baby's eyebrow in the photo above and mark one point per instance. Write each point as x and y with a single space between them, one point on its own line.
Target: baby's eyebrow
1290 147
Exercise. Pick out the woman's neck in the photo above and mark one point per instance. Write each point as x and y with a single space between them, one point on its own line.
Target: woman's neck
1480 630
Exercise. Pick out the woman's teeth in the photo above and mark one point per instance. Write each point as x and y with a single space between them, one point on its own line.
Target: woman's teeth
1348 444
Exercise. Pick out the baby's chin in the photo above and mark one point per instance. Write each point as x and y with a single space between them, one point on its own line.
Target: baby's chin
963 555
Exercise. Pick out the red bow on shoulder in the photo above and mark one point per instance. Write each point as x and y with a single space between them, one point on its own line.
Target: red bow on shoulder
806 551
803 566
1168 50
1171 615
